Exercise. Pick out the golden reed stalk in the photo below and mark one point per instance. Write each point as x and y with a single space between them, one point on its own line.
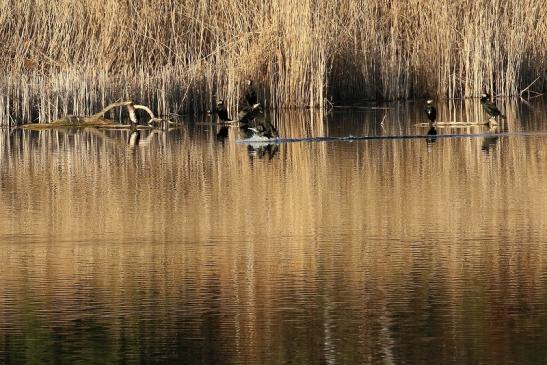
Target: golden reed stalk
75 56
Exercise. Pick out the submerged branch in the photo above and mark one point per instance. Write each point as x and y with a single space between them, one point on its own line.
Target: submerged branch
528 87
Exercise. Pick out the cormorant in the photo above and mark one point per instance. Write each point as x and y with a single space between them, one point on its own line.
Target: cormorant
260 127
222 112
248 114
489 107
430 111
250 94
252 123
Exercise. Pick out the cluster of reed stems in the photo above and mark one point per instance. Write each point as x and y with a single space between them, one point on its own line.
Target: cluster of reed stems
74 56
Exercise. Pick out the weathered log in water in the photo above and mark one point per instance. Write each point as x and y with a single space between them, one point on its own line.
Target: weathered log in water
98 120
73 121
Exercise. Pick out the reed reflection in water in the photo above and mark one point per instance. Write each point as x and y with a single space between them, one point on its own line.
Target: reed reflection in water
193 250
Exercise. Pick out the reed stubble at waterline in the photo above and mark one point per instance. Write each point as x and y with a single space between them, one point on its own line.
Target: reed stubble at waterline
74 57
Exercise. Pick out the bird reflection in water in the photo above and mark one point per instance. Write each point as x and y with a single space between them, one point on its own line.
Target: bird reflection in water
262 150
431 137
222 134
490 140
134 135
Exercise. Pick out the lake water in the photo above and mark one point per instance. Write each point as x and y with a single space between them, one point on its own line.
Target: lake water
187 249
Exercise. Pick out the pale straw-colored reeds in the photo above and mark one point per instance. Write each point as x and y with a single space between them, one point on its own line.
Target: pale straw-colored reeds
74 56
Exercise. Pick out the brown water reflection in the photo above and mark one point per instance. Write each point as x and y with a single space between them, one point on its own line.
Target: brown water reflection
191 250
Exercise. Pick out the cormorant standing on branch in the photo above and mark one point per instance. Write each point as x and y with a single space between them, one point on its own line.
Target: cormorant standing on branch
489 107
250 94
430 111
221 111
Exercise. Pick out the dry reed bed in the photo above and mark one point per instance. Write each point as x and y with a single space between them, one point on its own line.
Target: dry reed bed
74 56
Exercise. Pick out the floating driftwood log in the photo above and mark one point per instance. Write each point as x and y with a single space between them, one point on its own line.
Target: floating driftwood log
98 120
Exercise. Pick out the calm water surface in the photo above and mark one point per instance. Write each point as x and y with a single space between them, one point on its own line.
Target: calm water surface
188 249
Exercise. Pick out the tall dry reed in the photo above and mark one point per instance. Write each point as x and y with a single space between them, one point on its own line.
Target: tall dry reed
73 56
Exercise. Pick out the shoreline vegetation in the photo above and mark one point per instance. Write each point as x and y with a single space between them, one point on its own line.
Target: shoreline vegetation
73 57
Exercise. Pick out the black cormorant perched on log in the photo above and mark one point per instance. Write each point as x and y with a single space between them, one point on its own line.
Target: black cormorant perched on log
250 94
430 111
490 108
221 111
